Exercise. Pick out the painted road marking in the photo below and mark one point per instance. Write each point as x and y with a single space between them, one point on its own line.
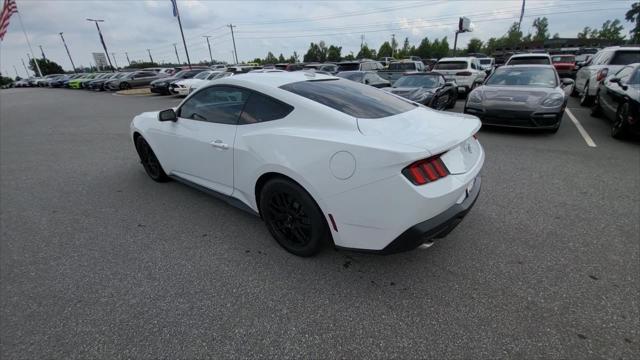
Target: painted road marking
581 130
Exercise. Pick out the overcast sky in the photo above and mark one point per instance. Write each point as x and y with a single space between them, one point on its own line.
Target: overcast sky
279 26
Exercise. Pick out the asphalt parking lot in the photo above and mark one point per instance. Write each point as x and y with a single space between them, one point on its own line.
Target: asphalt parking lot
98 261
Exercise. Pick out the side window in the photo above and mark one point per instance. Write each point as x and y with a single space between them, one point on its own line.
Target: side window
262 108
473 65
217 104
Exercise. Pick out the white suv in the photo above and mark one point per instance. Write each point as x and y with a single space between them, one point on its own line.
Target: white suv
606 61
465 71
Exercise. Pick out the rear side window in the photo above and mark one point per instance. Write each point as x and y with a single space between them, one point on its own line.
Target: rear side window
349 67
534 60
351 98
402 66
451 65
625 57
260 108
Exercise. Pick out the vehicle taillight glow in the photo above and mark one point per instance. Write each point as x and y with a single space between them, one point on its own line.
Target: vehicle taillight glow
426 170
602 73
463 73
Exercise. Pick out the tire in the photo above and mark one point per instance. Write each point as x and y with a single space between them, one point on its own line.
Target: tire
293 218
585 98
453 97
149 161
619 124
596 110
125 86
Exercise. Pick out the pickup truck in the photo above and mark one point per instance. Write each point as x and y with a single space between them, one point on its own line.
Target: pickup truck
398 68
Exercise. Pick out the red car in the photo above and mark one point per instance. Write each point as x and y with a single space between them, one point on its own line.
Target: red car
565 65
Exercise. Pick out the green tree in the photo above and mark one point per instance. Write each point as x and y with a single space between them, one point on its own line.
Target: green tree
137 65
584 34
46 66
474 45
6 81
633 16
514 36
385 50
350 56
541 26
424 49
270 59
611 30
364 53
442 49
404 52
257 61
294 58
333 53
556 36
281 58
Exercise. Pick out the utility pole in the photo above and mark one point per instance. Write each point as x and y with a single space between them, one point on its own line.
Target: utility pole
16 70
209 45
235 52
361 41
104 46
150 58
68 53
393 45
176 49
521 15
25 68
42 51
114 59
127 55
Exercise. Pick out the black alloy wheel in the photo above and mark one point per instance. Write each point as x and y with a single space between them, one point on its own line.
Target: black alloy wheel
125 86
149 161
293 218
619 124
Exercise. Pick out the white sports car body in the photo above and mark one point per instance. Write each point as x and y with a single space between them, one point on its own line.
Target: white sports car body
320 158
183 87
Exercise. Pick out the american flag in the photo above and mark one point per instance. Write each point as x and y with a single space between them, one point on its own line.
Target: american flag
8 9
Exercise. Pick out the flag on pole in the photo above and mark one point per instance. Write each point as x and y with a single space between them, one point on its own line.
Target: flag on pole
8 9
175 8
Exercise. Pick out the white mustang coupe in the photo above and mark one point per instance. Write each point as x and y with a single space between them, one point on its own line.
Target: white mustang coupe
320 159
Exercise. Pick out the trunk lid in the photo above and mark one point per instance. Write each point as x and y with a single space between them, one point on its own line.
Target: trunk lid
434 131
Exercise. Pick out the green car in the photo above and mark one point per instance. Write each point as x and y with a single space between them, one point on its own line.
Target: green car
76 83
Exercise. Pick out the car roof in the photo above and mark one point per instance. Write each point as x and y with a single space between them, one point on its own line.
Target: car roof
460 58
547 66
421 73
530 55
631 48
277 79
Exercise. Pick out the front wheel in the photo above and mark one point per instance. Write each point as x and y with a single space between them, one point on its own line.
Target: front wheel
293 217
619 125
585 98
149 161
596 110
125 86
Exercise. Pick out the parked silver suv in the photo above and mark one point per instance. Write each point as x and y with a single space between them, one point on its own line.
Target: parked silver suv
606 61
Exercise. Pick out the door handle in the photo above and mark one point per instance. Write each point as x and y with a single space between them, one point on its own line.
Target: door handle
219 144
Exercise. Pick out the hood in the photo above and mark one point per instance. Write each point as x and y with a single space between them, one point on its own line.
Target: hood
411 93
434 131
520 98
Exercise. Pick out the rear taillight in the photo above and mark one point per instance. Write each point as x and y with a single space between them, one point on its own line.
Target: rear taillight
426 171
463 73
602 73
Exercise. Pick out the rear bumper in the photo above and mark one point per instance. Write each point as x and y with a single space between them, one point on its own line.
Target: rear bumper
435 228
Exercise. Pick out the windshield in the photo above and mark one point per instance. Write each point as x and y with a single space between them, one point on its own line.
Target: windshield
525 76
427 81
563 59
451 65
348 67
181 74
582 57
402 66
351 75
625 57
529 60
485 61
635 78
351 98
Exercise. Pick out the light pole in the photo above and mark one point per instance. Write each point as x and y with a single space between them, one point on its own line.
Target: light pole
127 55
114 59
150 58
25 68
68 53
42 51
104 46
235 52
176 50
209 45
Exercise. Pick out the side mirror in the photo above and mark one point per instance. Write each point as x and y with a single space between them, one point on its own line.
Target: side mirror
487 71
167 115
478 81
615 80
567 81
366 81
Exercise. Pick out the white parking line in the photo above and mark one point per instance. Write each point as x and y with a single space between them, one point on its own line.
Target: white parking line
581 130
